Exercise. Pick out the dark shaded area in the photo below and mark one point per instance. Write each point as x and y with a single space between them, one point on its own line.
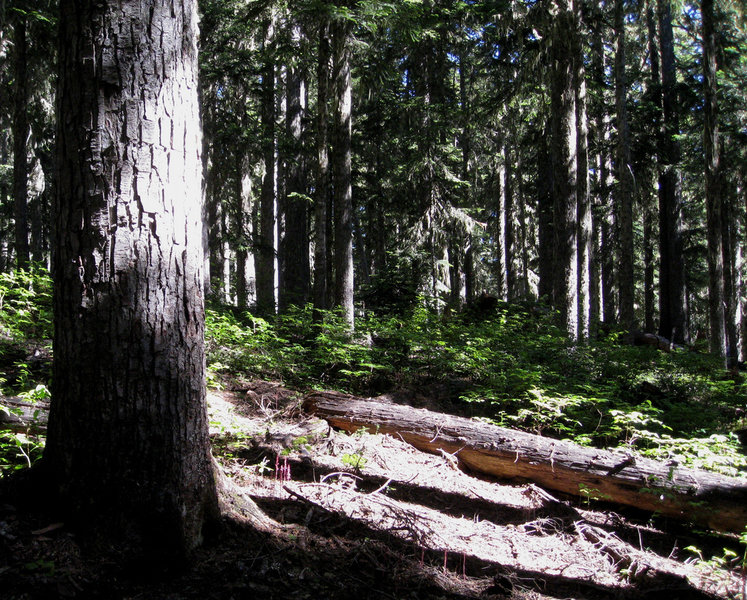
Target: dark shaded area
320 555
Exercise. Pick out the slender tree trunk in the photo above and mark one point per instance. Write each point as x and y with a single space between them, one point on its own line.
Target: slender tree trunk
604 224
545 227
242 195
649 209
672 283
729 243
294 278
713 199
342 157
455 278
597 200
649 297
20 139
501 275
465 142
226 254
740 177
510 235
322 193
565 172
5 193
624 190
721 288
265 258
608 241
469 272
523 290
584 234
128 450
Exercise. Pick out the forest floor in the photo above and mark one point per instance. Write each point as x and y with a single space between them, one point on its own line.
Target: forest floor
369 516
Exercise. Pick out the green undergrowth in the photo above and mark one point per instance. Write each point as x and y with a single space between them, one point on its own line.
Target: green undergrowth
512 367
508 365
25 334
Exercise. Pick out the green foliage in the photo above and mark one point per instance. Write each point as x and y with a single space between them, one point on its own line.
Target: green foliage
716 568
514 367
26 304
356 461
19 450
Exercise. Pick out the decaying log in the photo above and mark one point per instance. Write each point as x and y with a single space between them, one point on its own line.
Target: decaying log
668 489
655 341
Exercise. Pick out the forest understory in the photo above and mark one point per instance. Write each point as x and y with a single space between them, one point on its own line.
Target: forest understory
366 515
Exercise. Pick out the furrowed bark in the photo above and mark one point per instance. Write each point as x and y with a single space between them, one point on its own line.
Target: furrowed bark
128 448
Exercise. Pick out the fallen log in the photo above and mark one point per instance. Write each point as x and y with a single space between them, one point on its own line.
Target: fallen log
668 489
18 415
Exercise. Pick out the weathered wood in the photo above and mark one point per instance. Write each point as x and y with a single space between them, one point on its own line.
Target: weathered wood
668 489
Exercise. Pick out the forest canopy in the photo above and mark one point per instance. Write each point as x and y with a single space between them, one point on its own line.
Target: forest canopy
363 155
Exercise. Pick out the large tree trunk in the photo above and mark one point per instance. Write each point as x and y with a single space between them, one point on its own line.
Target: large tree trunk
128 447
342 157
717 501
603 305
721 288
294 278
321 196
565 288
713 200
584 233
672 284
649 207
20 139
624 190
265 257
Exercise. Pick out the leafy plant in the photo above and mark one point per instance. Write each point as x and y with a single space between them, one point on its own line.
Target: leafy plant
26 304
356 460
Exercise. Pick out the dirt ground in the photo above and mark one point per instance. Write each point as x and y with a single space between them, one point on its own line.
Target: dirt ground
368 516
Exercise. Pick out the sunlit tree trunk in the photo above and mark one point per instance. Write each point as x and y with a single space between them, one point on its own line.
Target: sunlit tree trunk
653 94
265 257
510 230
322 192
624 190
597 184
565 173
128 450
649 266
604 225
5 193
499 191
20 140
545 233
584 234
342 159
242 197
523 290
740 187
